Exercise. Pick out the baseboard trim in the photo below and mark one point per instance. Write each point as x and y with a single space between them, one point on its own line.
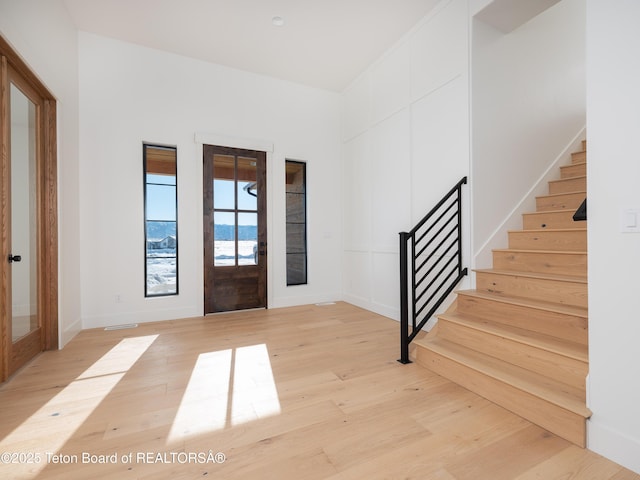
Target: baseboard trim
613 444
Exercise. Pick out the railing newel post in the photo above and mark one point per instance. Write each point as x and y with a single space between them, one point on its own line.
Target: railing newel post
404 301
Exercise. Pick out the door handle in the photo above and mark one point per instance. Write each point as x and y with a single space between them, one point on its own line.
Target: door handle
14 258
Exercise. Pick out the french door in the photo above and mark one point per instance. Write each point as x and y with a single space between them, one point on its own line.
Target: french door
235 229
28 239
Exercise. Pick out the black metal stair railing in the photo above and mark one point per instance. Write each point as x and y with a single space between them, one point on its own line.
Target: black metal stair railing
430 265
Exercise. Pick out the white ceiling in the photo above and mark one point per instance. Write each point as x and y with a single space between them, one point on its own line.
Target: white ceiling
323 43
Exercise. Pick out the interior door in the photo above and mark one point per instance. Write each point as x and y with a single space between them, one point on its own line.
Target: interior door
235 231
23 322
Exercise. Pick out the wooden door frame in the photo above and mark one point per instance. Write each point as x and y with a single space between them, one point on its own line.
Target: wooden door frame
47 207
207 175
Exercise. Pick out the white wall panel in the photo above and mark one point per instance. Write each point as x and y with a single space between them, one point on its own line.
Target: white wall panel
386 281
390 175
357 277
357 177
439 49
413 105
390 83
356 110
440 144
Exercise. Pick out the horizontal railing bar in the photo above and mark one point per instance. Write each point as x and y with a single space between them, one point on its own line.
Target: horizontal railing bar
420 237
424 321
419 297
435 292
442 256
462 181
453 218
452 233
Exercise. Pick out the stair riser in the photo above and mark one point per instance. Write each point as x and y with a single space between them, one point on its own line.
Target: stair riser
579 157
553 365
559 202
562 292
546 262
561 219
573 170
578 184
564 240
557 420
567 327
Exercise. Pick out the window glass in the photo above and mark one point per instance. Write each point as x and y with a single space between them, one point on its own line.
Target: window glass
161 220
235 211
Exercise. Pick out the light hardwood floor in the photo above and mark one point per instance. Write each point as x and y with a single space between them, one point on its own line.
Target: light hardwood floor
310 392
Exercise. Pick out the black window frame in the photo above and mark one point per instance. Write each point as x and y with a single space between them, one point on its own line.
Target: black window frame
146 220
305 252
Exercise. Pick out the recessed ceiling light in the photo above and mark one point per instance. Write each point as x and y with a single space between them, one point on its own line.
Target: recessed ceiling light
278 21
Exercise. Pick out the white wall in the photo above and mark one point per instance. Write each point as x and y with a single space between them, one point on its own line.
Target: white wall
613 102
405 144
43 34
528 101
130 94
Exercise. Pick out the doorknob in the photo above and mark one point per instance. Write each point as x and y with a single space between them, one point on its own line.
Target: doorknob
14 258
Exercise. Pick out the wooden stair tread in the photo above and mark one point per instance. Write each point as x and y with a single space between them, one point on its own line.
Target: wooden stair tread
521 335
568 178
528 302
543 252
562 194
547 211
539 275
557 393
547 230
540 220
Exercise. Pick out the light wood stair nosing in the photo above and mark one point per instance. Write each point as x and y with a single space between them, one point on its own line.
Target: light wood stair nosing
543 252
575 177
560 210
578 192
573 164
545 231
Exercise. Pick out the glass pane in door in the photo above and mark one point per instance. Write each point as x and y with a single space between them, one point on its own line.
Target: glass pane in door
24 215
247 238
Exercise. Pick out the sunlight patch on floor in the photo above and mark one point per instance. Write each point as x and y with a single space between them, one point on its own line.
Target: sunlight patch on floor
60 417
226 388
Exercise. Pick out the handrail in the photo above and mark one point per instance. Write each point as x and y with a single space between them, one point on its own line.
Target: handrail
429 289
581 212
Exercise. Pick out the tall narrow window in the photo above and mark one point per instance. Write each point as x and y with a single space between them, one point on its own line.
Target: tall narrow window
161 220
296 188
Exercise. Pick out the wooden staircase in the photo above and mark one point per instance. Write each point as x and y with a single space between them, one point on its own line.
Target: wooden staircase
520 338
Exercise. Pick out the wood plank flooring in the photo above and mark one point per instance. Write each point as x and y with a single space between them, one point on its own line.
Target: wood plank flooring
310 392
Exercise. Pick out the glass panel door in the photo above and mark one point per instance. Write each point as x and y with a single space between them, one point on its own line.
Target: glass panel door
24 215
235 247
28 215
